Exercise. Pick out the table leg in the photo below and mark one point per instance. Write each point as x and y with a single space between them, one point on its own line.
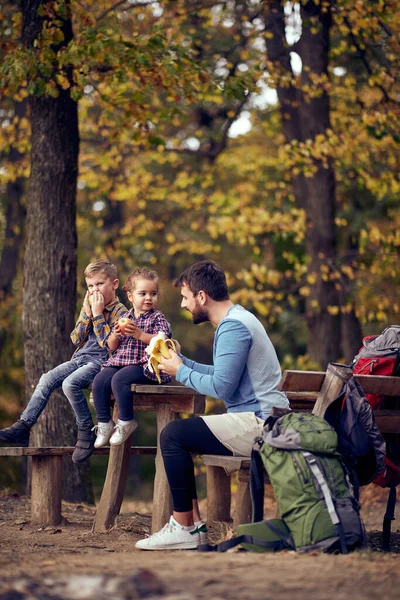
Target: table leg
243 508
162 501
218 494
46 490
114 486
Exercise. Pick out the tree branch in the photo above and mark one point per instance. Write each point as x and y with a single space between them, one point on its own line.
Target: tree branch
120 3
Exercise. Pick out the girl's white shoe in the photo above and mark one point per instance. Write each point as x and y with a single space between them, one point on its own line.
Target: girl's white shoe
104 432
122 431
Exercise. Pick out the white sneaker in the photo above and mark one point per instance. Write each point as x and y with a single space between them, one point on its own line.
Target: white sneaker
104 432
122 431
171 537
202 530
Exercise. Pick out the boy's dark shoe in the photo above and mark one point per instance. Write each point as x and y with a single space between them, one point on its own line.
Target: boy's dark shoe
84 444
16 435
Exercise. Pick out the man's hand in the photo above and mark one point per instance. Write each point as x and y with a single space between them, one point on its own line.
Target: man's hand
171 365
177 345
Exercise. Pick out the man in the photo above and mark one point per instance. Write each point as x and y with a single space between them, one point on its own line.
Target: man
245 375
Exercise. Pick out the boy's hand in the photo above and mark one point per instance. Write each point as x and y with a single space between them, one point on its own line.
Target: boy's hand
86 306
171 365
97 304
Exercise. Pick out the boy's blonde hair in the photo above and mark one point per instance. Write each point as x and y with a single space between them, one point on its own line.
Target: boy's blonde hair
101 266
144 273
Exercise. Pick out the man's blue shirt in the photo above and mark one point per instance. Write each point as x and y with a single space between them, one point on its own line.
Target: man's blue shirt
246 371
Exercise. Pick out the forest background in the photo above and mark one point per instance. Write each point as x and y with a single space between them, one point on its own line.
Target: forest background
261 134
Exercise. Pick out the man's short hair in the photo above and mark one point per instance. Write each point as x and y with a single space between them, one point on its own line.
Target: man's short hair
101 266
205 275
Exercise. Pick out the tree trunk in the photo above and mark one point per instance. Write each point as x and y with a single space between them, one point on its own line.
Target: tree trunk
13 236
303 118
49 296
324 343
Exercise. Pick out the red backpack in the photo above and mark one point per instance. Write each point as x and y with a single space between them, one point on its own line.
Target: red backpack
380 355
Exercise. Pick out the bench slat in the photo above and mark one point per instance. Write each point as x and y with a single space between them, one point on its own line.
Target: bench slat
311 381
68 450
169 390
230 463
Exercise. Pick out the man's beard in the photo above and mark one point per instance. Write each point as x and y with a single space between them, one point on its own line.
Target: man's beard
199 314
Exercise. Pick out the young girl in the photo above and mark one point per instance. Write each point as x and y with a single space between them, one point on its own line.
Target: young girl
128 363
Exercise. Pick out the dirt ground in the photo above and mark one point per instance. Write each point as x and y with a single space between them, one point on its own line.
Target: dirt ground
35 560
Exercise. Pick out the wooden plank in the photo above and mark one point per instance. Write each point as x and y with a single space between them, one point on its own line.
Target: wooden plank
162 500
229 463
114 487
377 384
388 421
66 450
304 397
333 383
46 490
302 381
311 381
243 505
218 494
193 404
169 390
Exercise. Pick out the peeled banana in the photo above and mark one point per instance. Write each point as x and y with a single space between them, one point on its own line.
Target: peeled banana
158 349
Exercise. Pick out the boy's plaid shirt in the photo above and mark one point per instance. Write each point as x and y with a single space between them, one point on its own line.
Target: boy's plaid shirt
101 325
132 351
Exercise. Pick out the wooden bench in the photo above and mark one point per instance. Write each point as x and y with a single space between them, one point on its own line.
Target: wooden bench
307 391
47 477
219 470
168 402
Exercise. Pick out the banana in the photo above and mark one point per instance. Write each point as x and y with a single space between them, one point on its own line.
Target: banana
157 350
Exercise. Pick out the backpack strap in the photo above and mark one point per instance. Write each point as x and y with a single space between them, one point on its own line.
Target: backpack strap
316 471
388 518
257 486
275 546
284 543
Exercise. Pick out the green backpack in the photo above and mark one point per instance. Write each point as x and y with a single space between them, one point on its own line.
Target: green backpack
318 510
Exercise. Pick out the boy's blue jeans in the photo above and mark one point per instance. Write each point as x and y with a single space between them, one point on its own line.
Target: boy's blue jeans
73 376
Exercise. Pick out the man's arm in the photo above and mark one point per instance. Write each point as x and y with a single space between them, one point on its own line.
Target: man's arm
231 352
198 367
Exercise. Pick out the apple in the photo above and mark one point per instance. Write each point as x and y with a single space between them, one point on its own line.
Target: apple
123 324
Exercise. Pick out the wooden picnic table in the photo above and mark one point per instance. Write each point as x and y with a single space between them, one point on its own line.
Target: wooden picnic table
167 401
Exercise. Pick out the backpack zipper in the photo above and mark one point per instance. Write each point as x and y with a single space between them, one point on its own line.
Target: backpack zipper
370 364
299 469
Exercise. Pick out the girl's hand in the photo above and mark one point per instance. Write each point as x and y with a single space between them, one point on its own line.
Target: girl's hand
133 330
116 330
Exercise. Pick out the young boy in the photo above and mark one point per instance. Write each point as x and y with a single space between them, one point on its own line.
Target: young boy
100 311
